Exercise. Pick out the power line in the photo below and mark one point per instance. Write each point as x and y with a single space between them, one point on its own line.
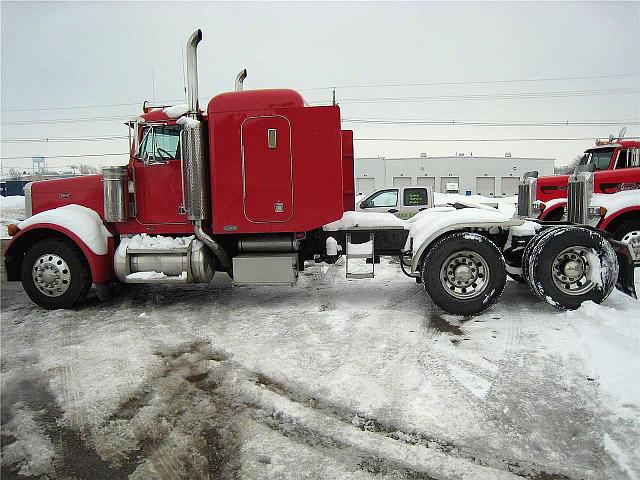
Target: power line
471 82
63 139
489 123
475 139
382 85
67 156
493 96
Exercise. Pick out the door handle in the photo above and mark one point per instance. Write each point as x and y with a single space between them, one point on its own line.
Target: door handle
393 210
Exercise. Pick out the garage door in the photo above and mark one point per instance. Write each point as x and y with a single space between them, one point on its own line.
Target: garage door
427 182
401 181
509 186
365 185
445 180
486 186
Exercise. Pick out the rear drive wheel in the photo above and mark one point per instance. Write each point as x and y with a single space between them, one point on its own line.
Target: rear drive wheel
527 254
464 273
572 265
55 274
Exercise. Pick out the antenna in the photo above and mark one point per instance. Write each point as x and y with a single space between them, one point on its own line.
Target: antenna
184 73
153 85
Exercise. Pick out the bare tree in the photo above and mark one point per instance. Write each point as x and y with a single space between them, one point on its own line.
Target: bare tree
570 168
14 174
87 169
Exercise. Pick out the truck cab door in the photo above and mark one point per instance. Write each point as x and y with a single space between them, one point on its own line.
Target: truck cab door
385 201
157 176
267 181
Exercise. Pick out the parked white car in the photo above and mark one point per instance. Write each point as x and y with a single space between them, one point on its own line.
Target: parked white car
403 201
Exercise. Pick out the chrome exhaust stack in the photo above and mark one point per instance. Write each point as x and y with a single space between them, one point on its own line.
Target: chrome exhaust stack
240 79
192 72
194 157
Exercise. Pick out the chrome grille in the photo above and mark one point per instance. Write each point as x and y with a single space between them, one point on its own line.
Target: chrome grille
524 195
579 192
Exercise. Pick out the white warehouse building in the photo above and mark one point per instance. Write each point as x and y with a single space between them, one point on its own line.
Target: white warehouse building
489 176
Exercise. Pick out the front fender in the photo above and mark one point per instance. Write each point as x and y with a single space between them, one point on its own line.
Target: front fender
100 265
607 220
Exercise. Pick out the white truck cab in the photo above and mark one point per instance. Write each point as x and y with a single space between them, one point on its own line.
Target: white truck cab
403 201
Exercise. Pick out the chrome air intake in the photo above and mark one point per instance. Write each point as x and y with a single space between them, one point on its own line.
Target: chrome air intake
114 184
527 194
195 170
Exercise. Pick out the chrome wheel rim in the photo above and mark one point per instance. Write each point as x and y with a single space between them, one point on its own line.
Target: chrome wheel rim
464 274
571 271
51 275
629 235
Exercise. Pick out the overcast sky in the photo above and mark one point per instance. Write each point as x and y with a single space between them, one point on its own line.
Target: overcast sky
89 54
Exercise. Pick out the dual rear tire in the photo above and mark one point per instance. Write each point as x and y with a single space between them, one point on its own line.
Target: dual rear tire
569 265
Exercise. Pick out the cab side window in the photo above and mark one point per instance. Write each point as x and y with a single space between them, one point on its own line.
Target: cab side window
160 143
385 198
628 158
414 196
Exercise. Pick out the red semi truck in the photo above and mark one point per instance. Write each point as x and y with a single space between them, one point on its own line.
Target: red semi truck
616 167
257 184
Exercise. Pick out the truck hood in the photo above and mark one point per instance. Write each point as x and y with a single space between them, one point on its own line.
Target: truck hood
85 190
551 187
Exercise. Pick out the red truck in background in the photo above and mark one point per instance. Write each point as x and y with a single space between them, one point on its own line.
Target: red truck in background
616 165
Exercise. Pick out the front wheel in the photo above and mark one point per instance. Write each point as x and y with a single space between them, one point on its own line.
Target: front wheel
464 273
55 274
571 265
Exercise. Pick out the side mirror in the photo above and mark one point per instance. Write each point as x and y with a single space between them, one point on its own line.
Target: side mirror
362 205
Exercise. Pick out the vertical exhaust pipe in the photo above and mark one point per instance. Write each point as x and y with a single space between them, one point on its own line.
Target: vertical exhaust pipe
194 148
239 79
192 71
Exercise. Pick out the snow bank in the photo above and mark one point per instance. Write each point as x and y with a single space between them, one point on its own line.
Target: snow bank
176 110
616 201
82 221
11 211
504 204
148 242
365 220
360 248
32 449
155 276
609 340
188 121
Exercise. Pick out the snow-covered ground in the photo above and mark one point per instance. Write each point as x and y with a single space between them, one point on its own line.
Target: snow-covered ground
329 379
11 211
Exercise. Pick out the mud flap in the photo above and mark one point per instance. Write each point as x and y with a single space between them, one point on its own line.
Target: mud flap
628 258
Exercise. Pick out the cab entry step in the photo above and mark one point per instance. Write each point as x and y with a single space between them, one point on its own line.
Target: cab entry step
360 251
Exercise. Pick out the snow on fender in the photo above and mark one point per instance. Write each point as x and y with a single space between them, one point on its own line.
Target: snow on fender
83 222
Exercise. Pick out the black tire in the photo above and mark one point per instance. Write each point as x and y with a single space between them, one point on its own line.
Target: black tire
486 260
527 254
628 227
56 257
573 251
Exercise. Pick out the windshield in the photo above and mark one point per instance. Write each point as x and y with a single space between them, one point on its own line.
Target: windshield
160 142
601 158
